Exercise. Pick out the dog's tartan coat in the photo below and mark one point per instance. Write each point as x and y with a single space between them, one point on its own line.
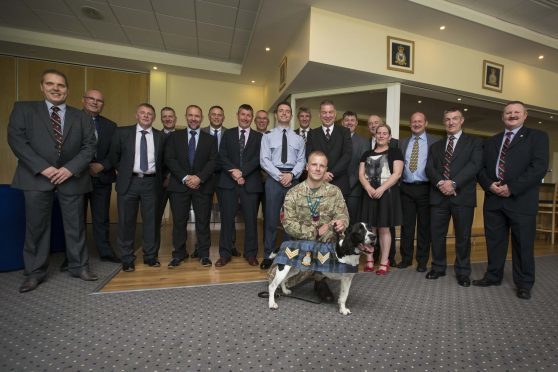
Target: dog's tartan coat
319 257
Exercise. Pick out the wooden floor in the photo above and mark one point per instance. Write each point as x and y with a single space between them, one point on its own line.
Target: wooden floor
191 273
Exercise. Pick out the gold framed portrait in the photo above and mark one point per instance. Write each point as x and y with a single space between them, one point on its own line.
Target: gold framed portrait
400 55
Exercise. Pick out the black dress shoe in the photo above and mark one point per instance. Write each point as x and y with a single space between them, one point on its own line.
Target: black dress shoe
195 254
485 282
175 262
206 262
421 268
403 265
523 293
235 253
112 259
128 267
252 261
463 280
266 263
29 284
64 266
222 261
152 262
392 262
433 274
86 275
323 291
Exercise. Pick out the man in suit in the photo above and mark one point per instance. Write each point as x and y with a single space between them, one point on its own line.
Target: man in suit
168 119
360 146
335 142
452 169
190 155
261 119
54 144
304 117
239 157
137 155
415 193
373 122
102 174
514 163
282 157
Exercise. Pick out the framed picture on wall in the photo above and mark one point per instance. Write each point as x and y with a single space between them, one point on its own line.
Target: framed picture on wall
492 76
283 73
401 54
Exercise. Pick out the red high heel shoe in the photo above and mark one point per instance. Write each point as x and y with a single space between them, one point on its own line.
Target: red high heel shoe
369 266
382 271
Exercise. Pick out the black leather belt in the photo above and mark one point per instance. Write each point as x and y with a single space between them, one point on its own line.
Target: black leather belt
285 169
417 183
143 175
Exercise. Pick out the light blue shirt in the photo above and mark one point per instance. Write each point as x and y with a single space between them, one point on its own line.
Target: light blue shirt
270 152
420 174
61 112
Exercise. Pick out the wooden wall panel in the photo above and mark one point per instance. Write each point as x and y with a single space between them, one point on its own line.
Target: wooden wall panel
29 79
8 91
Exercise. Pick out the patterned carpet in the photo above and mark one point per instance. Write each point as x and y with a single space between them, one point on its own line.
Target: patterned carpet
400 322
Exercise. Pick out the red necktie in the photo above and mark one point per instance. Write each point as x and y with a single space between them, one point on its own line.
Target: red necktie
502 160
57 127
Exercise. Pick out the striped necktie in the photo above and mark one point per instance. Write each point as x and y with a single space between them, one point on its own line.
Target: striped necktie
57 128
502 159
447 158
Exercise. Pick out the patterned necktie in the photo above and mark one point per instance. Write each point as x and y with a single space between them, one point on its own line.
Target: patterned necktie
143 151
303 134
242 144
328 135
502 160
57 128
192 147
413 161
447 157
284 147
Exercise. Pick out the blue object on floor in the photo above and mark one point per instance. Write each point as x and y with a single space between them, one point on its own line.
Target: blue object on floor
12 228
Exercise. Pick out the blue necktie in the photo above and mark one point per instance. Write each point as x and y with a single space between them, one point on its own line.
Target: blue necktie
143 151
192 147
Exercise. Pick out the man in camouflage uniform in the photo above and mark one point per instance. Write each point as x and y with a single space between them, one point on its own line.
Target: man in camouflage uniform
314 210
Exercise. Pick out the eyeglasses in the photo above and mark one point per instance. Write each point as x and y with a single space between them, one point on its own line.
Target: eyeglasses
92 99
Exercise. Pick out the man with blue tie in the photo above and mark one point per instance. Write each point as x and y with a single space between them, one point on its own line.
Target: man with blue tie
282 157
191 155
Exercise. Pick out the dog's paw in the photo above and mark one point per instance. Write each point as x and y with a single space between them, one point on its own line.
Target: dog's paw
344 311
286 291
273 306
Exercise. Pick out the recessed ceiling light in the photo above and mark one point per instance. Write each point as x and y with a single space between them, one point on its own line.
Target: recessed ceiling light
91 12
465 109
253 81
459 99
540 122
155 68
442 28
552 117
267 49
541 57
419 101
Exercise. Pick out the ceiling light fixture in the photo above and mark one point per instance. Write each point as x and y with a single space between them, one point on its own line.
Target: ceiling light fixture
253 81
465 109
92 13
540 122
155 68
459 99
267 49
442 28
541 57
552 117
419 101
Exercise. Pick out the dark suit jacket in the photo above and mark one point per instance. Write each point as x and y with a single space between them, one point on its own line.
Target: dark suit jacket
360 146
123 152
178 162
229 158
338 149
31 138
105 133
526 165
464 167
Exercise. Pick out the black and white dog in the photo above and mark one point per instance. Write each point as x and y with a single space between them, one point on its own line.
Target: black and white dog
348 251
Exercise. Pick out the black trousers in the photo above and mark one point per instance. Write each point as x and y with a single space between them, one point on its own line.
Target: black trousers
415 202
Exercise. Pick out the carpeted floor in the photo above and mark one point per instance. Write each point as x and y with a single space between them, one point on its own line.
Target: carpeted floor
400 322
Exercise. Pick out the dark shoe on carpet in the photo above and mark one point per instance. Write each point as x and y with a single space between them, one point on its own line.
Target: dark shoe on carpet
153 262
112 259
433 274
485 282
128 267
252 261
403 265
235 253
222 261
175 262
64 266
421 268
463 280
29 284
392 262
86 275
523 293
206 262
266 263
195 254
323 291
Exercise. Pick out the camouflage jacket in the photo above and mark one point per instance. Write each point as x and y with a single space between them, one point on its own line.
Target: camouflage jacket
297 218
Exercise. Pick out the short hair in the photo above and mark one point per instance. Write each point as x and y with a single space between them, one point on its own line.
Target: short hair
453 109
515 103
148 105
55 72
303 109
317 153
327 102
261 111
216 107
247 107
194 106
385 126
379 117
350 113
283 103
419 112
167 108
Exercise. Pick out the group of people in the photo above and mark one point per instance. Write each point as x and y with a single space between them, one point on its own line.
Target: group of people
419 181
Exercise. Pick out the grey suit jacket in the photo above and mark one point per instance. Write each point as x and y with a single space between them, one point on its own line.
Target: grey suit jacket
31 138
360 146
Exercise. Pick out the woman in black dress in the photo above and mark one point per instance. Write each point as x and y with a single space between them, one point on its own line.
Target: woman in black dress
379 173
